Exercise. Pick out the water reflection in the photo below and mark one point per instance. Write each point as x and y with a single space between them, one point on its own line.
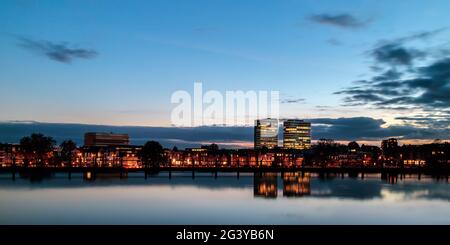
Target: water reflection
296 184
265 184
223 198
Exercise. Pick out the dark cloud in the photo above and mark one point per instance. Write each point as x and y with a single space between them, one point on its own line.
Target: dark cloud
389 76
394 54
168 136
433 121
354 128
58 52
404 80
366 128
339 20
428 88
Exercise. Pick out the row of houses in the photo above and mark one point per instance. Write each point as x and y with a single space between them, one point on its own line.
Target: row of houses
127 156
102 152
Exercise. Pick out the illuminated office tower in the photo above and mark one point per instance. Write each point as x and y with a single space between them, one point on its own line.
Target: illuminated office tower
266 133
297 134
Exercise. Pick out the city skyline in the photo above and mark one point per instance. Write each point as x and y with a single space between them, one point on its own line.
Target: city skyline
113 151
355 70
212 120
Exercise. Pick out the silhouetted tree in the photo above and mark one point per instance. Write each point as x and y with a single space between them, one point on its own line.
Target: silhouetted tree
263 151
37 146
152 154
213 147
353 146
68 148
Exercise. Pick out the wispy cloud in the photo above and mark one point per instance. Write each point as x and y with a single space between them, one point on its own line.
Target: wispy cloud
60 52
423 35
334 42
339 20
206 48
293 101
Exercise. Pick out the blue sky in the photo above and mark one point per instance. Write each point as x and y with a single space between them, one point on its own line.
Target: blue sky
142 51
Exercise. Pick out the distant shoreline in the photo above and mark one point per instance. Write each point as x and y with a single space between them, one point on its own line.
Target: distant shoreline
433 171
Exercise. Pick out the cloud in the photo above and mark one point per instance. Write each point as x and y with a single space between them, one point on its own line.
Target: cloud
334 42
58 52
293 101
404 79
428 88
345 129
366 128
339 20
423 35
395 54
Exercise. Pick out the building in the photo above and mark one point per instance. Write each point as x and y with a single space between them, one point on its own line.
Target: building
11 154
296 134
108 156
105 139
391 143
266 133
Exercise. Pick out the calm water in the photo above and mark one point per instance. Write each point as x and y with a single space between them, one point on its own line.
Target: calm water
270 198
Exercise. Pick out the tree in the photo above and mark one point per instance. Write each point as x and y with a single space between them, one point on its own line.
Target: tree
263 151
213 147
353 146
68 148
152 154
37 146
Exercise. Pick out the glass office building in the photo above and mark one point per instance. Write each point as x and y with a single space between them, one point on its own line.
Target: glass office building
266 133
296 134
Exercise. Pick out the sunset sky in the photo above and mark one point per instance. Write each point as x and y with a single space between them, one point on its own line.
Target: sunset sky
366 69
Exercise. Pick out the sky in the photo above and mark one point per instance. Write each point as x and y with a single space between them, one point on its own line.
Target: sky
336 63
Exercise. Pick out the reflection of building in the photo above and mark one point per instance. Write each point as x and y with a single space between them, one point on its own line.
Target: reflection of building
266 133
105 139
297 134
265 185
296 184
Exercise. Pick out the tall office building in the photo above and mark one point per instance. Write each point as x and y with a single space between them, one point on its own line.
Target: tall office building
105 139
266 133
297 134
